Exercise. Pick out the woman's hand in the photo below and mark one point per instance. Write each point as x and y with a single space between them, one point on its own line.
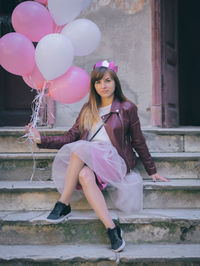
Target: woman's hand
157 176
33 133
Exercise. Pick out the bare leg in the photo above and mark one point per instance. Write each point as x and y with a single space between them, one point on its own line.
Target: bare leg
71 177
95 196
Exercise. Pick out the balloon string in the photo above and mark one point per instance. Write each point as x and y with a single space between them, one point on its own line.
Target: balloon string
31 145
34 158
50 111
34 119
37 101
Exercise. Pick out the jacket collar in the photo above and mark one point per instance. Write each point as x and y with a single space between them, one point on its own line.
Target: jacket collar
115 106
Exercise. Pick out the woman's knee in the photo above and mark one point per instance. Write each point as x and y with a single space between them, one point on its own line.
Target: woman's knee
73 155
86 176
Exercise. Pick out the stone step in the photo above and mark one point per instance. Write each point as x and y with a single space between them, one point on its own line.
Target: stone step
99 255
19 166
42 195
83 227
183 139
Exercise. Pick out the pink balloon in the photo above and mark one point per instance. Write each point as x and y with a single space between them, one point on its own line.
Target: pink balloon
17 53
70 87
33 20
35 80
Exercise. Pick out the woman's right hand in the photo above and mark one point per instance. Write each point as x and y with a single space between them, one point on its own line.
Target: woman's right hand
33 133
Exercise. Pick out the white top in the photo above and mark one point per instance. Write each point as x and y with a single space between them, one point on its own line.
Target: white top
102 134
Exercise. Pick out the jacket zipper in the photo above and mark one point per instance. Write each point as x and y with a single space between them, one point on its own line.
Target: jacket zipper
123 136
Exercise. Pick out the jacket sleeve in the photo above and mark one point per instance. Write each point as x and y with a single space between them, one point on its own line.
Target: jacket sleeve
139 143
56 142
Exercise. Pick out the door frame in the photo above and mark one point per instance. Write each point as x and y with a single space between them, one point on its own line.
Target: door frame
160 111
157 105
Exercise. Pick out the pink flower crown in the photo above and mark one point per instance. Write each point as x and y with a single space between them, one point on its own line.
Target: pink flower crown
105 63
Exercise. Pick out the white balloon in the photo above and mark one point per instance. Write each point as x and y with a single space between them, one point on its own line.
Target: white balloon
54 55
64 11
84 34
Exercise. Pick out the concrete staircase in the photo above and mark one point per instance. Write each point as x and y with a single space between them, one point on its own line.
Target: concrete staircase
166 232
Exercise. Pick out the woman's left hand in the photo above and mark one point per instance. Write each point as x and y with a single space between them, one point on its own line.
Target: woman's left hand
157 176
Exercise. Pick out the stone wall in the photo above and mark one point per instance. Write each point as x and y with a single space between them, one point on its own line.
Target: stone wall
126 39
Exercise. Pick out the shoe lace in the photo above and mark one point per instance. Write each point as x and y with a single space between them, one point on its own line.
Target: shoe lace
56 209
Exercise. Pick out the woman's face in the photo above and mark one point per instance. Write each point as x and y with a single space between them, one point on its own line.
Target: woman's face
105 87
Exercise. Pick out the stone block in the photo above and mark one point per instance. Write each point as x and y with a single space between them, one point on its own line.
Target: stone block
171 199
23 169
174 165
192 143
161 255
164 143
14 144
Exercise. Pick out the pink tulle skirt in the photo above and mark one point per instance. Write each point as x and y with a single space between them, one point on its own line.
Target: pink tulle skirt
126 191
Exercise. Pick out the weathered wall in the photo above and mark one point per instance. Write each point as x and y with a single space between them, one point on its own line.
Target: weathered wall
126 39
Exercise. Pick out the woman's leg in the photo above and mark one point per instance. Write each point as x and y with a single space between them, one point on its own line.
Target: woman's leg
71 177
94 196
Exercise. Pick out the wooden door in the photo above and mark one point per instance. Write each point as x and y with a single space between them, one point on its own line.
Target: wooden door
15 100
15 96
169 63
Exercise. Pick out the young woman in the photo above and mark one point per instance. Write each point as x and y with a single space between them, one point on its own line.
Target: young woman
98 150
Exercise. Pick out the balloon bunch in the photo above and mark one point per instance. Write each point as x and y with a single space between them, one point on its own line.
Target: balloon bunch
48 67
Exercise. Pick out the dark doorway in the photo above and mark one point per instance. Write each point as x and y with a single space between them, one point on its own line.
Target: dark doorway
15 100
15 96
189 62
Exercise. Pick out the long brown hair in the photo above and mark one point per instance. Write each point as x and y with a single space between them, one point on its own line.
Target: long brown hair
90 115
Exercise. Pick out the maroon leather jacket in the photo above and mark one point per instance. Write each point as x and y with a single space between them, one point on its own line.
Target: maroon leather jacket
123 129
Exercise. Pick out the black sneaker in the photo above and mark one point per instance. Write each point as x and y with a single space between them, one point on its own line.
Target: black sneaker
59 212
115 235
